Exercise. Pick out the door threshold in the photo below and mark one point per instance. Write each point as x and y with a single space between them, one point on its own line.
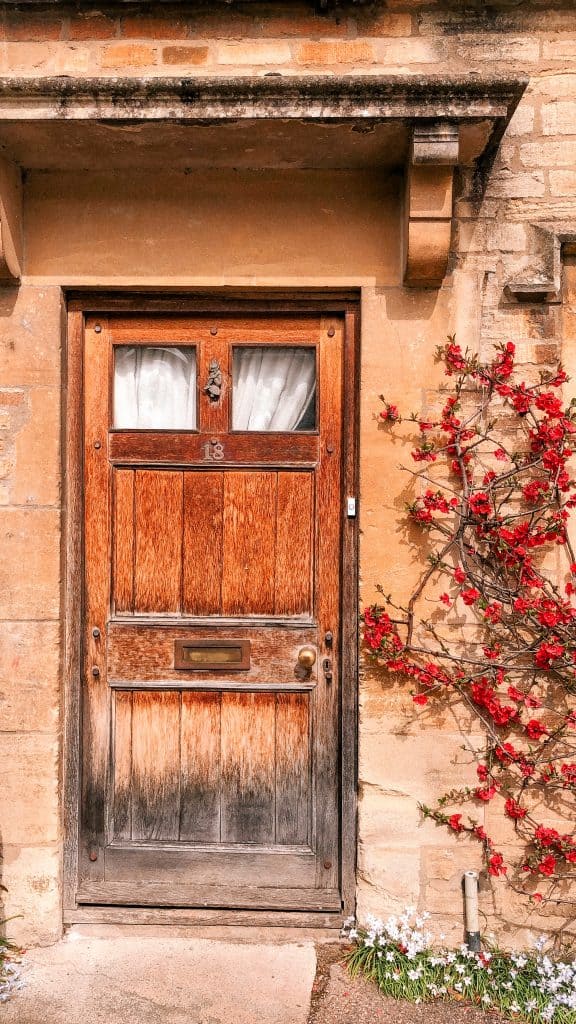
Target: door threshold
203 918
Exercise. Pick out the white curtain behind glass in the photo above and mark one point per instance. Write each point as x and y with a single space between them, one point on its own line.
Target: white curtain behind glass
273 387
155 388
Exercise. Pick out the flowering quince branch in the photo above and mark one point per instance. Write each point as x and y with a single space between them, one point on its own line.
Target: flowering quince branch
496 497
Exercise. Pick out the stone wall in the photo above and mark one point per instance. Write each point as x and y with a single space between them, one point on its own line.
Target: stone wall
404 757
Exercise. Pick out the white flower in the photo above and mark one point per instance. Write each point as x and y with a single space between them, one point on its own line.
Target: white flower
352 934
458 986
486 998
514 1007
413 975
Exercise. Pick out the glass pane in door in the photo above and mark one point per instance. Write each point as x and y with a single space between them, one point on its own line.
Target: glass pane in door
274 388
154 387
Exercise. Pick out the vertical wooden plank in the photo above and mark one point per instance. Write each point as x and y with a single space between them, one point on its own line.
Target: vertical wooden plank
72 597
247 802
329 518
200 768
122 828
249 554
292 768
293 572
155 765
202 563
158 560
123 540
349 658
96 697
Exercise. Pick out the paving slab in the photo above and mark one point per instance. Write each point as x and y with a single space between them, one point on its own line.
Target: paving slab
158 980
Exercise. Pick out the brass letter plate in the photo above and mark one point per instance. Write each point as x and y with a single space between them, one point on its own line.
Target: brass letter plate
211 655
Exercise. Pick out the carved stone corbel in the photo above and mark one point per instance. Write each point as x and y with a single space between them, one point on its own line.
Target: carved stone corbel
542 279
10 223
429 185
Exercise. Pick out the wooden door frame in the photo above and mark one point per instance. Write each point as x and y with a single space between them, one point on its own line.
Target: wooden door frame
241 302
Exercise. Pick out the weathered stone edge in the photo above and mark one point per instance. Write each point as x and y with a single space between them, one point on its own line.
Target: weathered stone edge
365 97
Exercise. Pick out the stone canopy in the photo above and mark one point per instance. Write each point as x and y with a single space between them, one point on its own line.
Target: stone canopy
429 125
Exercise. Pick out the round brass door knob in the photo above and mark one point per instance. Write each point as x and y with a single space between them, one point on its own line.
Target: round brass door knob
306 657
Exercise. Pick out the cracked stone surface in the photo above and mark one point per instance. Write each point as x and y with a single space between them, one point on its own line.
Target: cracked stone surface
156 980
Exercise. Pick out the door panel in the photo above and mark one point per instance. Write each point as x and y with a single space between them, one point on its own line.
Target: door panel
207 543
212 767
210 751
157 541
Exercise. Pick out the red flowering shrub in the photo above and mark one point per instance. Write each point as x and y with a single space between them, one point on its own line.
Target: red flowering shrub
496 498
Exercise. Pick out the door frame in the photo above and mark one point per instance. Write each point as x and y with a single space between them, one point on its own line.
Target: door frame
241 302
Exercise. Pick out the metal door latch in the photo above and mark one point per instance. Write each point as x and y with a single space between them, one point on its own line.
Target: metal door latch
351 507
327 669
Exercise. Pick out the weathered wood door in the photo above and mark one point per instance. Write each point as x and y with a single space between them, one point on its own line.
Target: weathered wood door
212 550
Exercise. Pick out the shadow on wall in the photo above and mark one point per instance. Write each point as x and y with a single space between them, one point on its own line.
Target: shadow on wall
2 891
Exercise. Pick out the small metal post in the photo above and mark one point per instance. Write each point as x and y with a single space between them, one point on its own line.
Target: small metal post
472 923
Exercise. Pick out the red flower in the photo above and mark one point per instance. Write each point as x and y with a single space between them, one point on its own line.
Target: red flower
496 865
500 454
420 698
514 810
548 403
459 574
547 865
548 652
535 729
454 822
445 598
521 399
493 612
506 753
480 504
390 413
470 596
486 794
423 455
546 836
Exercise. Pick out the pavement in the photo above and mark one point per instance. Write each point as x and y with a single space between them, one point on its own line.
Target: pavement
148 977
155 980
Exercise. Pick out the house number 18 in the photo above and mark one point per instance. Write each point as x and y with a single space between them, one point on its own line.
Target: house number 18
213 451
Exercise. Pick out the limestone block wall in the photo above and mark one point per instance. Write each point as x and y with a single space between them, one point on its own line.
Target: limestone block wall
30 629
349 234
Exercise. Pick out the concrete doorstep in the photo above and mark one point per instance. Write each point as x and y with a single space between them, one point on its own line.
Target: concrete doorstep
163 980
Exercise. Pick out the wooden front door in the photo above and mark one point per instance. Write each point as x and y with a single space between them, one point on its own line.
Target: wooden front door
213 518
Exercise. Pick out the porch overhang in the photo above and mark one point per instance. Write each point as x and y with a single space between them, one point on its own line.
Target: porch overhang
427 125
